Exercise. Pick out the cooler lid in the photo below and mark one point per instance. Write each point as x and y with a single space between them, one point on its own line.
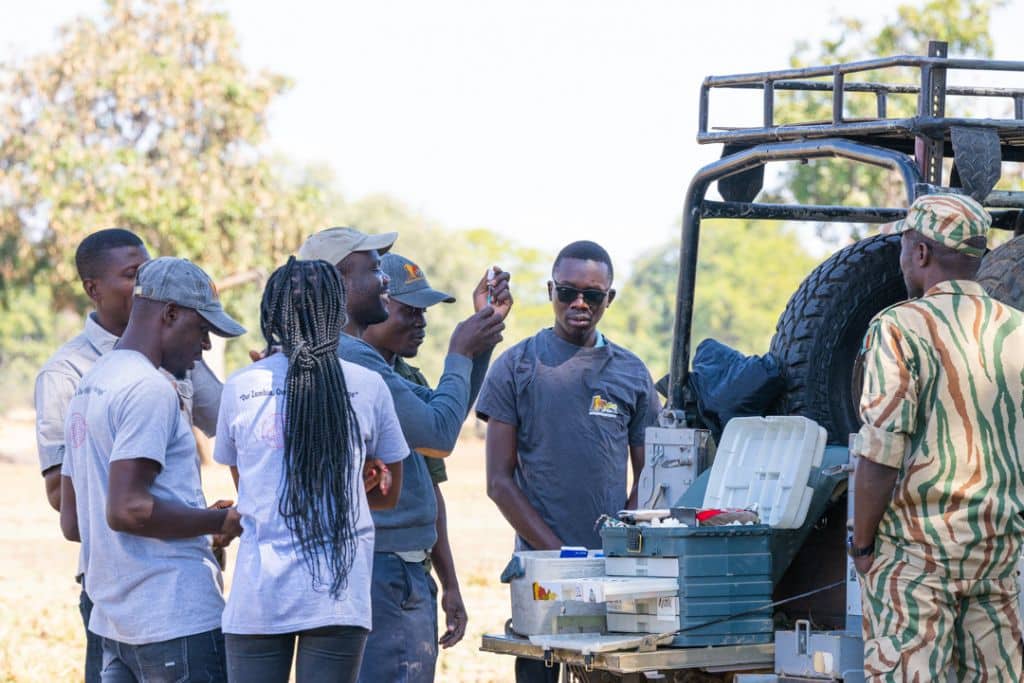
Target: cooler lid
764 463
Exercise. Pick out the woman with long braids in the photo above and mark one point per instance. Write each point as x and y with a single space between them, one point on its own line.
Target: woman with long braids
297 428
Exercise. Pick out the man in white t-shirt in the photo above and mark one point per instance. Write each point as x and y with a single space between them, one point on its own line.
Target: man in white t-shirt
131 491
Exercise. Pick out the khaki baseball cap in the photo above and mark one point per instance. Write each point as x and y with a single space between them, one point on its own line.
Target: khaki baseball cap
408 284
334 244
949 219
179 281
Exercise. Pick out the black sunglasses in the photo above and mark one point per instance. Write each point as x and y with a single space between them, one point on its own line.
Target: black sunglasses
592 297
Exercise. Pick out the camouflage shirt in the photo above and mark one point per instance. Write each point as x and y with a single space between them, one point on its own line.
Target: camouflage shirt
943 402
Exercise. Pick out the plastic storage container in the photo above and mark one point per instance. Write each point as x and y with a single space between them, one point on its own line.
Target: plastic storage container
535 580
722 571
762 464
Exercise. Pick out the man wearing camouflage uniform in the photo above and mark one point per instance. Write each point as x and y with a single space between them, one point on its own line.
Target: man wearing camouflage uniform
939 487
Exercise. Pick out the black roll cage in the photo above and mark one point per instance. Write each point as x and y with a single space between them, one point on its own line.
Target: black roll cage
912 147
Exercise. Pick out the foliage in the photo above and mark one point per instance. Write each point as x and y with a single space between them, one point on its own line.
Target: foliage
146 119
745 274
27 333
964 24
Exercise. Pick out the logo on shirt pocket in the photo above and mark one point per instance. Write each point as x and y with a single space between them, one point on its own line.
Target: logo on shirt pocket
271 430
76 430
603 407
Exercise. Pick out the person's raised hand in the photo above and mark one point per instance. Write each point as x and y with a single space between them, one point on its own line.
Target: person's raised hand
493 289
478 333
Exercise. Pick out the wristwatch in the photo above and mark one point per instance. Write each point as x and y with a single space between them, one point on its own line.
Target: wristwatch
855 552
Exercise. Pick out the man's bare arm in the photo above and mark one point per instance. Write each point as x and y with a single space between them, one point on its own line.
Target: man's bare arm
636 461
68 511
874 485
444 564
502 489
133 509
52 482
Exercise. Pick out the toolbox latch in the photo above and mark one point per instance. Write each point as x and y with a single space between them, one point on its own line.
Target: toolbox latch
634 540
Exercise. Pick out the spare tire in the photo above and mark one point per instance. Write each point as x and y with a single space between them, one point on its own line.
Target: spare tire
819 335
1002 273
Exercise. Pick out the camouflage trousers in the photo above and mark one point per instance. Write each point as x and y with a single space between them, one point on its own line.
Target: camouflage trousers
918 626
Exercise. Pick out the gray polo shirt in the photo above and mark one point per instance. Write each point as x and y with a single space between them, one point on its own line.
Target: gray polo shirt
56 382
576 410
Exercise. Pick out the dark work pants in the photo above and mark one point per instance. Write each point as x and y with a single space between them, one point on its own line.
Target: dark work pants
331 653
199 657
93 643
534 671
402 647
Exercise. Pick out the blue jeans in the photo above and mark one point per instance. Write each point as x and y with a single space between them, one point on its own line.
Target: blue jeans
198 657
402 647
93 643
331 653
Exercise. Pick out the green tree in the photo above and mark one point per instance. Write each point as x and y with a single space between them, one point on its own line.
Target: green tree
964 24
146 119
746 272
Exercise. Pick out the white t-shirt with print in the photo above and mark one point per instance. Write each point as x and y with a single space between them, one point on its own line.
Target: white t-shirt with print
144 590
272 590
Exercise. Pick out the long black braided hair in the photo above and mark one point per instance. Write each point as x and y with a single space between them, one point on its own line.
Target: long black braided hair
303 312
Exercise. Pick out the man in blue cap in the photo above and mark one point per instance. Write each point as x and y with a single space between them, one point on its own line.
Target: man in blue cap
131 492
396 339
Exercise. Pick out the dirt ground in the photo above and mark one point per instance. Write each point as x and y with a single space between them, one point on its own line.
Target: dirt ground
40 627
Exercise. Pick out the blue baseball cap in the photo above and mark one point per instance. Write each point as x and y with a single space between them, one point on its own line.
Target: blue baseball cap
409 285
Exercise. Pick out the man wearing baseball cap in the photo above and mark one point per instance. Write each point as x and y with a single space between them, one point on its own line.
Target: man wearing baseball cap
396 339
939 484
131 493
402 643
357 257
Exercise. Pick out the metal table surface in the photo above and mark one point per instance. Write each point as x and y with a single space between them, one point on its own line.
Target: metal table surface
719 658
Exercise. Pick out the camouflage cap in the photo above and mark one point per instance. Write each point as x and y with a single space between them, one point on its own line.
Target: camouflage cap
949 219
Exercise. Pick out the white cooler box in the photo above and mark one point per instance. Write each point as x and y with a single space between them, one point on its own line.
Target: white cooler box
535 579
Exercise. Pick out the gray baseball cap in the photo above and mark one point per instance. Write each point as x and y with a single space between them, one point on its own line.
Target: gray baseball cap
179 281
409 285
334 244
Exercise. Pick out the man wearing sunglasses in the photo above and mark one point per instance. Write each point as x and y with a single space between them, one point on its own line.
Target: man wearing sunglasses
565 409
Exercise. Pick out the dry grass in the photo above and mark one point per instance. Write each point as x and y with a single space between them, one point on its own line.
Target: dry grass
40 628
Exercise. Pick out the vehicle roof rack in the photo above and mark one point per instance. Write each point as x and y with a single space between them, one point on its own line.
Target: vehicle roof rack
901 134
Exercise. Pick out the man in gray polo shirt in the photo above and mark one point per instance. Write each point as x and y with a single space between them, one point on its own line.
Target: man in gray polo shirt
106 261
402 647
566 409
131 491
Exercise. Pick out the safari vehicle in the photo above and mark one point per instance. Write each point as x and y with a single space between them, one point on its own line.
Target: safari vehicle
808 613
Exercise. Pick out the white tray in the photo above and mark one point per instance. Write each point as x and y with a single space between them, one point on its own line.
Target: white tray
607 588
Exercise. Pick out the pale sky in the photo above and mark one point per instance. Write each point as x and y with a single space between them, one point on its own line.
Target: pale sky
545 120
